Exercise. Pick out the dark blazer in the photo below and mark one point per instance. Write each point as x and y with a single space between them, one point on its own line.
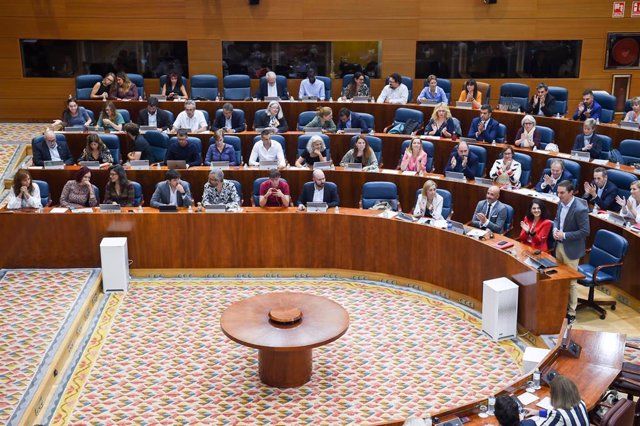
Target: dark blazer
472 164
262 121
496 221
552 189
490 132
237 124
330 194
356 122
576 229
41 153
162 195
608 199
164 122
547 109
448 124
262 90
596 145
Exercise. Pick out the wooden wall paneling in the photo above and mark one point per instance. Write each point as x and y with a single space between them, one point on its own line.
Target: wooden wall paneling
394 58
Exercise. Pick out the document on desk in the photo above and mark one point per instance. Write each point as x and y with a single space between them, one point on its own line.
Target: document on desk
600 161
545 403
527 398
58 210
389 171
477 233
83 210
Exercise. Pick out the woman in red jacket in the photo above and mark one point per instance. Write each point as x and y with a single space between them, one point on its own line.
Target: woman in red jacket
536 226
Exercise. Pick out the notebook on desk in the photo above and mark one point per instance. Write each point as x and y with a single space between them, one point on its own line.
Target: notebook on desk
312 130
215 208
139 164
96 129
353 166
455 175
159 97
147 128
315 207
272 98
631 125
222 165
74 129
360 99
322 165
176 164
483 181
430 102
110 208
268 165
168 209
93 165
352 131
54 164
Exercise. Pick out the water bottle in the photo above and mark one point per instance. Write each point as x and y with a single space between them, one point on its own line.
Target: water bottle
536 379
190 209
491 402
493 142
557 115
330 98
617 165
140 209
427 420
337 210
596 208
140 98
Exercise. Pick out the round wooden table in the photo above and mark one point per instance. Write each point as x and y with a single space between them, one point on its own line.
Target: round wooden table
285 350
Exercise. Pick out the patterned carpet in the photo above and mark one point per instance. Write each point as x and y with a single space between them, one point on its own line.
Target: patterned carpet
158 355
20 132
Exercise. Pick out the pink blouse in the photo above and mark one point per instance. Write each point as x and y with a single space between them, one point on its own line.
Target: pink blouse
412 165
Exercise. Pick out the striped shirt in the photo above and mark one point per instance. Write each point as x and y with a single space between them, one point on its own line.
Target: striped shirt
576 416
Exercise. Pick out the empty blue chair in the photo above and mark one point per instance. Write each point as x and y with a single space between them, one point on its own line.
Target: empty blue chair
304 139
137 194
375 192
570 165
305 118
561 95
608 104
606 146
255 195
404 114
91 114
327 86
125 114
527 163
622 180
508 223
514 93
457 127
44 192
138 80
426 146
96 192
502 133
348 78
628 106
408 81
604 267
547 135
163 80
447 201
238 189
170 115
444 84
630 151
374 142
159 143
204 86
481 153
367 118
84 85
113 143
235 142
237 87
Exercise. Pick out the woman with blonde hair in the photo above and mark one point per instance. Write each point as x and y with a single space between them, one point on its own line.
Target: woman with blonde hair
324 120
568 409
415 158
441 122
125 89
429 202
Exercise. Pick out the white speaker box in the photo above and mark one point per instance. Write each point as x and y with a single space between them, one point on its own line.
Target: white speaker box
500 308
114 257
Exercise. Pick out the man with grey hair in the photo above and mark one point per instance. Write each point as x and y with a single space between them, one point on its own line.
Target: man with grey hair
552 177
191 119
50 149
319 191
271 87
220 191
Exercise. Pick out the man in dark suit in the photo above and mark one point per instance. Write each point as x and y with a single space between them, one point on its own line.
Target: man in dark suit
270 86
490 213
351 120
552 177
228 120
542 103
172 192
601 191
570 230
319 191
588 140
154 115
50 149
463 161
484 128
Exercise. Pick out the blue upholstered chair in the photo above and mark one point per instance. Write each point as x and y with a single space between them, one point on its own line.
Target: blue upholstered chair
561 95
374 192
255 195
514 93
426 146
172 117
606 146
457 127
408 81
84 84
40 139
348 78
444 84
374 142
570 165
113 143
280 80
192 139
367 118
404 114
628 106
43 186
96 192
630 151
235 142
163 80
305 118
125 114
604 267
485 88
508 223
277 138
622 180
237 87
159 143
527 163
206 116
204 86
237 114
138 80
447 201
304 139
91 114
608 104
137 194
481 153
547 135
502 133
327 86
238 189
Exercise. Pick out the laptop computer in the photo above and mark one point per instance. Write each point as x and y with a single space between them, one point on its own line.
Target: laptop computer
215 208
147 128
463 104
96 129
360 99
272 98
74 129
169 208
353 166
309 98
93 165
405 217
139 164
581 155
322 165
632 125
352 131
159 97
222 165
312 130
317 207
176 164
54 164
110 208
455 175
458 227
429 102
617 218
268 165
483 181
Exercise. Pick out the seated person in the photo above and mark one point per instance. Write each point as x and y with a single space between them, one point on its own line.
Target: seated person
528 136
24 194
568 408
51 150
508 414
103 89
72 116
351 120
154 116
484 128
361 153
79 192
631 207
588 140
227 121
588 108
318 192
191 119
141 148
490 213
536 226
601 192
634 114
274 192
172 192
183 149
266 150
315 151
470 93
414 158
125 89
432 92
220 151
429 203
96 150
110 119
441 122
541 103
506 170
271 118
311 86
220 191
173 87
552 177
462 160
323 120
119 190
356 87
395 92
271 87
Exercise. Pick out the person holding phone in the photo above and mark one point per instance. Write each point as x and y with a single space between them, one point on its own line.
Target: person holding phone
274 192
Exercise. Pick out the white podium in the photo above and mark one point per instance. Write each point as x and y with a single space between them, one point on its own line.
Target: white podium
500 308
114 257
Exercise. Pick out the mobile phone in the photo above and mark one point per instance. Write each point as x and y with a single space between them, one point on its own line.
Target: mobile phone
503 243
465 419
550 272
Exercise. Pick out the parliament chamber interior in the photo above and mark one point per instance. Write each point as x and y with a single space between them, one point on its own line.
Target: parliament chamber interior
294 212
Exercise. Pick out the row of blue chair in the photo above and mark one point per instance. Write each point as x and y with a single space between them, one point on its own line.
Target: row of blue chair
45 196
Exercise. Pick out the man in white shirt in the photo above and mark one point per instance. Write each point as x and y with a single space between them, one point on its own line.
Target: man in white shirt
191 119
266 150
311 86
395 92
